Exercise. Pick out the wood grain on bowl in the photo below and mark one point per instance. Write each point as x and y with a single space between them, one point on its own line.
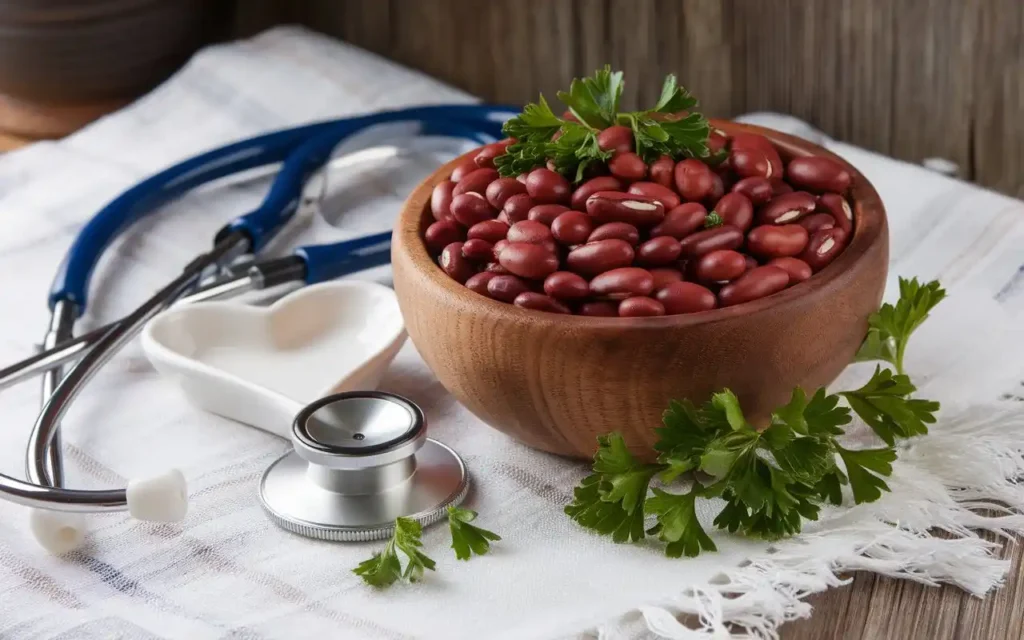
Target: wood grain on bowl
556 382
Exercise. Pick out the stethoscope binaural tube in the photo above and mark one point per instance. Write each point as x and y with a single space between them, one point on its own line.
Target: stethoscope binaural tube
163 498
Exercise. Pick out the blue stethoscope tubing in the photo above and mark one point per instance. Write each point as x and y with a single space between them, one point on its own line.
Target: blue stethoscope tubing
302 150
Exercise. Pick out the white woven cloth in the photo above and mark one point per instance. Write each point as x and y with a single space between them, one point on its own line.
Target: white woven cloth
227 572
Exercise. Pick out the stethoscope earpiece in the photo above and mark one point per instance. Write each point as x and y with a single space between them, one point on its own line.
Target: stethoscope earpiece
359 461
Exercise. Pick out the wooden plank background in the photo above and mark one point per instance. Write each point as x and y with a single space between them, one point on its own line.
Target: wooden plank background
909 78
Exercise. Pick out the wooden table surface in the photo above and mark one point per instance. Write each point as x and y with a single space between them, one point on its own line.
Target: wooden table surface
879 608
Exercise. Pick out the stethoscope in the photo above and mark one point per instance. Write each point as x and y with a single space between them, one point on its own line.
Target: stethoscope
392 428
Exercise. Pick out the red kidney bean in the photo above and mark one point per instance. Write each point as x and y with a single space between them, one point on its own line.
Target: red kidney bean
723 237
627 166
621 283
817 221
477 283
823 247
721 266
694 180
717 140
780 187
787 208
566 285
597 257
485 157
757 189
640 307
442 233
736 209
455 264
616 138
613 206
506 288
441 200
797 269
659 251
750 163
499 191
546 213
522 178
463 170
837 205
686 297
499 246
532 232
475 182
818 174
717 190
664 276
547 187
517 208
616 230
600 309
662 171
592 186
496 268
756 283
490 230
478 250
667 197
527 260
771 241
681 221
471 208
762 144
572 228
540 302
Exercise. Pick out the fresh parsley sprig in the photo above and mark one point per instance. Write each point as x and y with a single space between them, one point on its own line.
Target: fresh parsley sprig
402 558
669 128
772 480
467 538
385 568
892 325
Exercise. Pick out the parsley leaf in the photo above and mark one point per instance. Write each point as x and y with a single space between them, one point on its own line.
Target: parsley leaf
385 568
468 539
685 434
713 220
865 469
677 523
536 122
571 146
884 403
674 97
611 500
892 325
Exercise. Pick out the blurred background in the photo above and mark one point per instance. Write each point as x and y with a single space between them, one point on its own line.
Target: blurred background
914 79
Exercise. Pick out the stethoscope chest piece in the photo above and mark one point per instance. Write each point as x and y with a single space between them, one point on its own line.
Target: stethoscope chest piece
360 460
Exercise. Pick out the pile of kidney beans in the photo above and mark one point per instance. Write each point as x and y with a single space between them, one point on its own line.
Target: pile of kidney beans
633 242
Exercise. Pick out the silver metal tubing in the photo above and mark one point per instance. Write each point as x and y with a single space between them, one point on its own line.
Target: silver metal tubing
61 329
35 495
72 348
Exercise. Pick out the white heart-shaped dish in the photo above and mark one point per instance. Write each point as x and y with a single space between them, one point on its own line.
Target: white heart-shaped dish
260 365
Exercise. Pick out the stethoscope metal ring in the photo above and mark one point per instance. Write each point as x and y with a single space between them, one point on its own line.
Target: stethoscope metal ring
332 486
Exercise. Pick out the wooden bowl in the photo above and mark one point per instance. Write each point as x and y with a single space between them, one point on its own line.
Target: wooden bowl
557 382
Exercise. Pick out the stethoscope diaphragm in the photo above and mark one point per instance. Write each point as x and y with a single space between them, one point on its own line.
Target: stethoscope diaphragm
360 460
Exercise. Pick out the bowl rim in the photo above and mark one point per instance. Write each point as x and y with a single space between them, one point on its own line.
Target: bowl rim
870 227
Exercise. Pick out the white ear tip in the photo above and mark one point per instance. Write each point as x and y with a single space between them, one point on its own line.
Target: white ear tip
160 498
58 532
